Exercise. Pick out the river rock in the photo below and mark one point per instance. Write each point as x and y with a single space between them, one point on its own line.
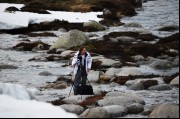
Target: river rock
165 111
175 81
73 108
135 108
98 112
72 39
116 110
162 87
93 25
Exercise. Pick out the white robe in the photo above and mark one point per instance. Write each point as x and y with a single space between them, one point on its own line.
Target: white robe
88 62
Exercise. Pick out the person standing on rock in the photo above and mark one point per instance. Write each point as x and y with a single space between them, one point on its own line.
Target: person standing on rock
82 62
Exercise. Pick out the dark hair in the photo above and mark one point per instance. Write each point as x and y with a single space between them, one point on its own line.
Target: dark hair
81 48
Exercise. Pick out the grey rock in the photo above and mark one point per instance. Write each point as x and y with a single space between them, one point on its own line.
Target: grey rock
72 39
73 108
98 112
165 111
45 73
162 87
6 66
116 111
135 108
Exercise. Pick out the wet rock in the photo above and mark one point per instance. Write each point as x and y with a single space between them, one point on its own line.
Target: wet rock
34 7
131 64
176 62
171 42
45 34
11 9
135 25
161 64
165 111
149 83
116 111
162 87
135 108
41 58
45 73
139 3
35 11
25 37
72 39
169 28
148 37
29 46
6 66
93 26
73 108
98 112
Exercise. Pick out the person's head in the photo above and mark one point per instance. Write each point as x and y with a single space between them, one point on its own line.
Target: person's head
82 50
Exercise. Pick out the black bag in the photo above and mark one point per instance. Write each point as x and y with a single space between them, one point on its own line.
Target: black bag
85 90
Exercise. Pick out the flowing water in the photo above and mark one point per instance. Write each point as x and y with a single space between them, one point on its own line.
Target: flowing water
152 16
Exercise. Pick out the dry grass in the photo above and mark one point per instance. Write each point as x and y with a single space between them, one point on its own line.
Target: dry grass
81 7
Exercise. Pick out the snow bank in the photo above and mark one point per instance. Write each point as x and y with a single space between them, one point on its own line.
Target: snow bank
13 108
22 19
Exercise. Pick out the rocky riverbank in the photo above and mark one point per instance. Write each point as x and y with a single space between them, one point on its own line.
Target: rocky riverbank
135 72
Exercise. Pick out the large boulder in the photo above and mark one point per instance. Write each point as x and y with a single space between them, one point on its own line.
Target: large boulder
72 39
165 111
175 81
